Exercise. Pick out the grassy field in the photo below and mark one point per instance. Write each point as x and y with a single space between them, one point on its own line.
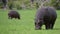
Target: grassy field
25 25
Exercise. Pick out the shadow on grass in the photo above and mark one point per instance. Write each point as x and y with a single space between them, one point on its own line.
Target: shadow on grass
52 29
56 29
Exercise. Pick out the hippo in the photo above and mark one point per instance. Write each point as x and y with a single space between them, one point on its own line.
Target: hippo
13 14
45 16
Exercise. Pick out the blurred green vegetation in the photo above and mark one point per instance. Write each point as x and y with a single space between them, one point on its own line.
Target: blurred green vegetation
20 4
55 3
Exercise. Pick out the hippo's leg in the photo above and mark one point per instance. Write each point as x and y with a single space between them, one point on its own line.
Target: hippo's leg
52 21
11 17
47 25
18 17
52 24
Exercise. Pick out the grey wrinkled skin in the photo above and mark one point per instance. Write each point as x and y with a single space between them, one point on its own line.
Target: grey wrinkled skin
13 14
45 16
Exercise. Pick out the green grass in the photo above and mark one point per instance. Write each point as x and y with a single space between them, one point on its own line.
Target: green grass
25 25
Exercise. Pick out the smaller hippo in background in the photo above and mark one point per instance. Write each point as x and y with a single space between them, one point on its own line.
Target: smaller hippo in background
13 14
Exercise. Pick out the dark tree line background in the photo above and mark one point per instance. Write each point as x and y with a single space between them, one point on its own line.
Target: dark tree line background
28 4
